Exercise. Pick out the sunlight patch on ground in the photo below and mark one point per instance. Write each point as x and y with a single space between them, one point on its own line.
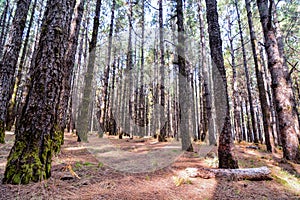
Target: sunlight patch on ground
133 158
74 148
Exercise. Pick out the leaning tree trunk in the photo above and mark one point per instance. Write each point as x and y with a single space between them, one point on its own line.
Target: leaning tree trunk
37 136
281 86
225 149
260 82
9 61
83 118
69 64
3 26
183 82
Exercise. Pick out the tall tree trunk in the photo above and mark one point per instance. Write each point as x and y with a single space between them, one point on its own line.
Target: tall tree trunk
83 119
281 86
280 40
183 81
129 66
225 148
162 135
12 109
142 99
260 82
235 93
37 136
207 129
3 26
7 29
104 114
243 121
69 64
9 61
248 82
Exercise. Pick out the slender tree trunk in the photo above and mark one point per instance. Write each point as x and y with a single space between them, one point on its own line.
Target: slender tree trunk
183 81
235 93
243 121
9 61
281 86
162 135
260 82
37 137
83 119
207 129
104 114
142 96
12 109
69 64
3 26
7 29
248 82
225 148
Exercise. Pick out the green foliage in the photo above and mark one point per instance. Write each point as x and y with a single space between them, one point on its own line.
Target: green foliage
100 165
88 164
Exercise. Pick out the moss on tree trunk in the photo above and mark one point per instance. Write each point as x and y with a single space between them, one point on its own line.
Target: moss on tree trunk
2 132
38 134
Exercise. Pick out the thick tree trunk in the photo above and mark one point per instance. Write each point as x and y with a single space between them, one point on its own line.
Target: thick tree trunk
281 86
83 119
225 149
9 61
183 82
260 82
37 134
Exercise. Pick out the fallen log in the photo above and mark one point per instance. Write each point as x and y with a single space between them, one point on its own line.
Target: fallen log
261 173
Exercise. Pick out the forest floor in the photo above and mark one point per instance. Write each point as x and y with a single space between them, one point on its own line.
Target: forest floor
144 169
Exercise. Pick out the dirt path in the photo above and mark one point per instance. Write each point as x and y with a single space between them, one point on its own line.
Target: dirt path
101 175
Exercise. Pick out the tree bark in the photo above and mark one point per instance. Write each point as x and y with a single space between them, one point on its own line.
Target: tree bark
248 82
83 118
3 26
281 86
260 82
12 109
207 130
225 148
37 134
235 93
69 63
183 80
162 135
104 114
9 61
